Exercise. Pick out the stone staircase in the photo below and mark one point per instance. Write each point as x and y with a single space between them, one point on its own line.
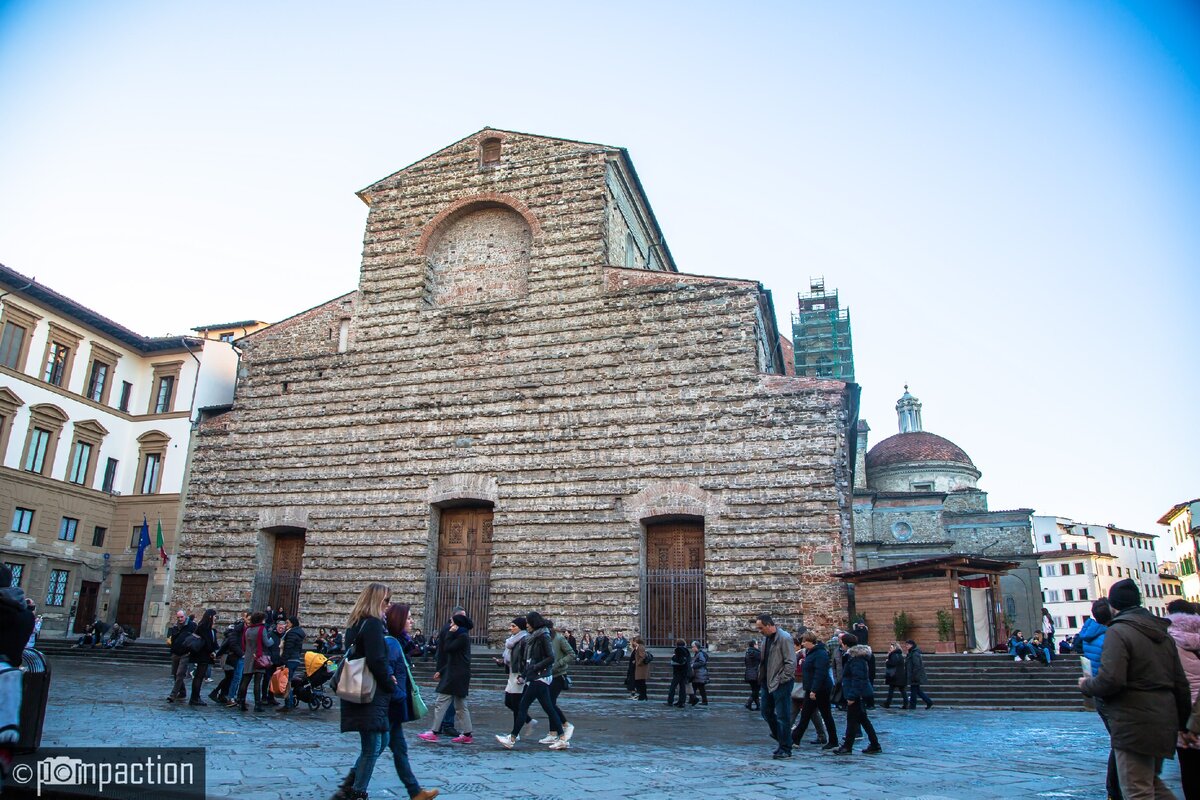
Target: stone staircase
960 681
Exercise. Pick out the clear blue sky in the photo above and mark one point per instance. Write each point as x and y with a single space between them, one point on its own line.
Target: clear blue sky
1006 194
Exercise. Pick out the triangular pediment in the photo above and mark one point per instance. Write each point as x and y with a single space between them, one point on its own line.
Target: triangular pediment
9 400
470 143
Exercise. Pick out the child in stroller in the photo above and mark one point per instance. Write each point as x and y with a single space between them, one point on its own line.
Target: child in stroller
318 669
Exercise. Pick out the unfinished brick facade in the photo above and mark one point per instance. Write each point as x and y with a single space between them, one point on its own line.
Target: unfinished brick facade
501 354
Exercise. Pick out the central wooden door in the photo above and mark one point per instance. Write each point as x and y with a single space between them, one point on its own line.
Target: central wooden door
465 541
673 583
464 566
131 602
286 564
85 612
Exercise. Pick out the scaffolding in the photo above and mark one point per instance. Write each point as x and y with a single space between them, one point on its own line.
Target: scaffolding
821 335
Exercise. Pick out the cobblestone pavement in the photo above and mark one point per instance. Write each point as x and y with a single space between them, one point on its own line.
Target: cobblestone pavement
620 749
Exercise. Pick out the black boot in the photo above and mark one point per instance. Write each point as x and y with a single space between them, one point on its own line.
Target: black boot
345 789
693 700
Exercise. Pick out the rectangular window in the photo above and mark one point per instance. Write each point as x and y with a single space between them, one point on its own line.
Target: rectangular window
110 475
226 337
1070 622
137 534
1054 595
162 399
1078 567
1110 569
1069 595
22 520
1097 547
343 336
18 572
150 474
1083 594
57 590
126 391
56 364
67 528
97 380
1046 538
80 460
10 345
35 459
98 536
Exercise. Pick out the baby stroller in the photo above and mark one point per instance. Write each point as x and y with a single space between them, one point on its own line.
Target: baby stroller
317 672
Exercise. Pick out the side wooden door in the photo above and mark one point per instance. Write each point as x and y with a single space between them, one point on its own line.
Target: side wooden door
131 602
85 612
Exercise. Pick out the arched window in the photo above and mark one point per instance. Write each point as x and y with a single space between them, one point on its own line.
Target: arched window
489 152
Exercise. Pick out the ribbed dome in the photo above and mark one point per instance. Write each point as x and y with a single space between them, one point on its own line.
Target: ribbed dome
915 447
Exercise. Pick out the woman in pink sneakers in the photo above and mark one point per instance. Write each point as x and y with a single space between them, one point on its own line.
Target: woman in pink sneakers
454 680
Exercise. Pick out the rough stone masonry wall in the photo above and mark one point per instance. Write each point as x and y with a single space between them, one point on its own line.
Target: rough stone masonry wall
600 396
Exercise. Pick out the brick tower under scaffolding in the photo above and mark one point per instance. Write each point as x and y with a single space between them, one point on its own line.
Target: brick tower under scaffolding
821 335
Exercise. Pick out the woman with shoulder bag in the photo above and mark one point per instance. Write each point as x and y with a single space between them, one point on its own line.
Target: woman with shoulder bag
202 654
537 671
699 676
400 706
514 657
641 672
256 660
365 640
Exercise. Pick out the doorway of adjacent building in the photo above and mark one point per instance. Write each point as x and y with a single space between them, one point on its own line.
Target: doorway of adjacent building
85 612
464 566
279 587
672 595
131 602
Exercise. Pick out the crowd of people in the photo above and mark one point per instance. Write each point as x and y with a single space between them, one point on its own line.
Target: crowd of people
1142 671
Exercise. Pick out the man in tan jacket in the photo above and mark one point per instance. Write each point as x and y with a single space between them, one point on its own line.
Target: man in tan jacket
777 675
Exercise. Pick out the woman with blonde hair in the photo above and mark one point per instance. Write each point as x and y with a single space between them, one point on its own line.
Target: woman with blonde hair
365 639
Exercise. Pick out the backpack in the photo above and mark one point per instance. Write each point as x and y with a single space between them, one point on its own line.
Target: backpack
647 657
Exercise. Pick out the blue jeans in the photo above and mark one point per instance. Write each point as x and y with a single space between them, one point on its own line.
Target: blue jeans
372 743
777 711
915 691
400 756
292 666
237 678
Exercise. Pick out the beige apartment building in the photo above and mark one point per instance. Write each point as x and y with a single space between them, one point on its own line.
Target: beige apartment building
95 426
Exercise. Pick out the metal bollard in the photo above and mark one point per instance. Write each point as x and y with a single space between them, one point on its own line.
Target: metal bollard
35 692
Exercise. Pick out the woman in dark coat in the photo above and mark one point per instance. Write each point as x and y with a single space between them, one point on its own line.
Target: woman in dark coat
454 680
893 671
203 658
365 639
751 660
681 661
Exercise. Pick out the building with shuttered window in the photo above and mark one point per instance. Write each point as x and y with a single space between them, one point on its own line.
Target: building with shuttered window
95 425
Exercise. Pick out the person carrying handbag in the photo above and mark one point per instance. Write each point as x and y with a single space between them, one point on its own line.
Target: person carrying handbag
257 661
404 704
365 642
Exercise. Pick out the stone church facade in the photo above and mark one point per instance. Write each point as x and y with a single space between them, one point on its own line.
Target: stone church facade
525 405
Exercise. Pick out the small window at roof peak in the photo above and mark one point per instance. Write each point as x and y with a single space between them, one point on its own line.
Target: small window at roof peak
489 151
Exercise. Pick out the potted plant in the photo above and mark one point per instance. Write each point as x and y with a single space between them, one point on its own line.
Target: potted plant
945 632
902 625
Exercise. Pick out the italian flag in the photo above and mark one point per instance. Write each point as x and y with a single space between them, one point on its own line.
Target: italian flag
162 551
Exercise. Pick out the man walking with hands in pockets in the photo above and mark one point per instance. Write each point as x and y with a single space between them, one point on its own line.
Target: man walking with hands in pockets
777 674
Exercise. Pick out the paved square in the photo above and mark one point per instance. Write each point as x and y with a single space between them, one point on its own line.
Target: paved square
620 749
